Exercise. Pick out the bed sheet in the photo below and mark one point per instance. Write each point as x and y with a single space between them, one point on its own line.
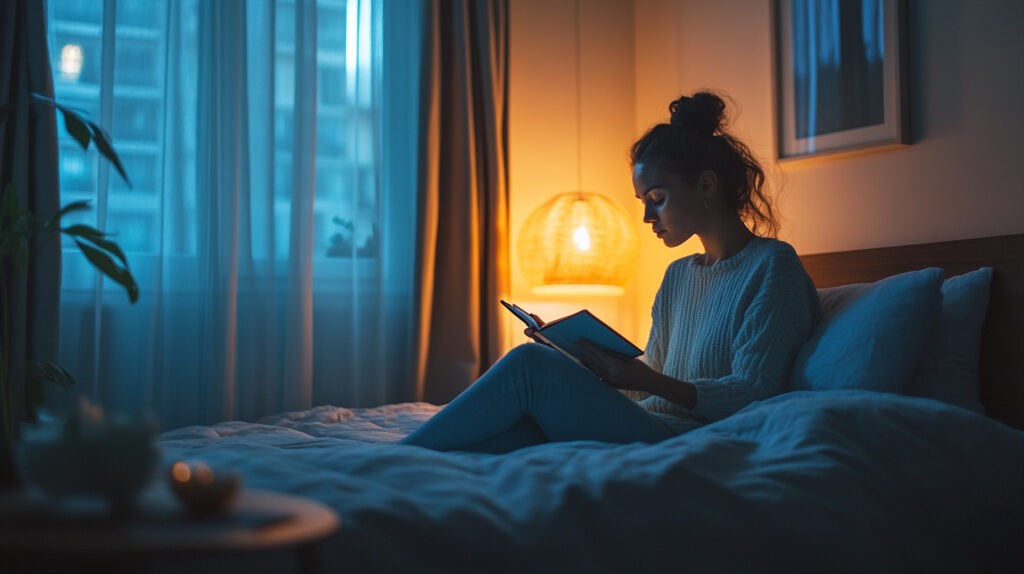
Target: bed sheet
808 481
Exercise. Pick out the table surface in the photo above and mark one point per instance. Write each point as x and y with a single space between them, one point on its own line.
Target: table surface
258 520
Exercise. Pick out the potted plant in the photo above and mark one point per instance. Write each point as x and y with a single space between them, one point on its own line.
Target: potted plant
18 225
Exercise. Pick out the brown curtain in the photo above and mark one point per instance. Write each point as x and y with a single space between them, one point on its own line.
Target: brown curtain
28 159
463 260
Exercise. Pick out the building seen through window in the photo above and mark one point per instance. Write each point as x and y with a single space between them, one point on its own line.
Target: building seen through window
143 94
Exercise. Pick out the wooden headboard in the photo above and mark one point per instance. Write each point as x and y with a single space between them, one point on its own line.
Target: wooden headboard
1002 342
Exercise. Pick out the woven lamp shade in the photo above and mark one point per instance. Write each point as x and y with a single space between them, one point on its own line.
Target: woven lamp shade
578 242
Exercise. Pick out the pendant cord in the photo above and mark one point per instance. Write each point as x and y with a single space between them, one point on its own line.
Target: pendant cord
579 97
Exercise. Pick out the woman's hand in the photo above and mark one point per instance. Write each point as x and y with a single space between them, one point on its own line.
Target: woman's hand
617 370
626 373
531 332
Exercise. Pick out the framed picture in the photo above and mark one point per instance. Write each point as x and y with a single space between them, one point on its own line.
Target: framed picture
840 76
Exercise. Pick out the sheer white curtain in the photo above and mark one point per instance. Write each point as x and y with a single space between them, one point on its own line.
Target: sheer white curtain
270 222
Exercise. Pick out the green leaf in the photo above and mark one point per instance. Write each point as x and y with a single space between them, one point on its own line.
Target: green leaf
76 127
106 265
84 130
98 238
46 371
72 207
103 145
82 230
44 99
74 122
37 373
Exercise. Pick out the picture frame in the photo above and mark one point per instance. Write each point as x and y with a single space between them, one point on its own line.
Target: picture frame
840 76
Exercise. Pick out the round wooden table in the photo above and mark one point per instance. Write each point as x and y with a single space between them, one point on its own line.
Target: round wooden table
40 536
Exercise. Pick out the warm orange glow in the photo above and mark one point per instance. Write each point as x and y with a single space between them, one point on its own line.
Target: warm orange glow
181 472
204 474
581 239
578 243
573 289
197 472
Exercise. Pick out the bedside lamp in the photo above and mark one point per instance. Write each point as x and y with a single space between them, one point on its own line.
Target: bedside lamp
577 243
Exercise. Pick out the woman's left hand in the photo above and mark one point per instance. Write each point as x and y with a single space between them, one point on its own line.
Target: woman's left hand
617 370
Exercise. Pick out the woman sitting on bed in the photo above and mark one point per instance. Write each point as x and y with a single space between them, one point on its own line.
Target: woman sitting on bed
727 323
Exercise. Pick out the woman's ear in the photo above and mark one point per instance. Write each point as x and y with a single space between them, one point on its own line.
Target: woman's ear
707 183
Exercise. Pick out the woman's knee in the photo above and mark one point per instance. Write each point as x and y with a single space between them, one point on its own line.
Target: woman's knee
532 359
533 353
535 357
526 361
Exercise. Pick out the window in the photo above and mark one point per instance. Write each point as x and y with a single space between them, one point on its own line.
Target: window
238 317
111 61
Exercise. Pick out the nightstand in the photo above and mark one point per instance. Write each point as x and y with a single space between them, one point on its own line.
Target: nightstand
40 536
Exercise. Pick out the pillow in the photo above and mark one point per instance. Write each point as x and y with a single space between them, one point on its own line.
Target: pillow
948 370
870 336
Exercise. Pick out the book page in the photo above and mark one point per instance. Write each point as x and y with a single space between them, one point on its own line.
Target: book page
566 332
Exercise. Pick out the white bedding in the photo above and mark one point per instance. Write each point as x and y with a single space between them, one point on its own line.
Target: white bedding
808 481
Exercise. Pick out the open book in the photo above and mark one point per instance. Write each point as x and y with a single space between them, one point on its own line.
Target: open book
564 334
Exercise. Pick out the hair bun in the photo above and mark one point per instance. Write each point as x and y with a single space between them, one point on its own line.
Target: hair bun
702 113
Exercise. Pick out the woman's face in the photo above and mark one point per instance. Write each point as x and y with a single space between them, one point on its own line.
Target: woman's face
675 209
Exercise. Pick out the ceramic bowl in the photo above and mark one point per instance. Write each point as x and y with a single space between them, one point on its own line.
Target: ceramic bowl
112 460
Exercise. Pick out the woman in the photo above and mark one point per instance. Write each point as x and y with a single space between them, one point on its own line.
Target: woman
727 323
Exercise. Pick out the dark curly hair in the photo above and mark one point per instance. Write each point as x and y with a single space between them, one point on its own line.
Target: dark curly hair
695 140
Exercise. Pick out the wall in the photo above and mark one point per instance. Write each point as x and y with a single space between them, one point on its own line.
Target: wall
685 46
958 179
544 146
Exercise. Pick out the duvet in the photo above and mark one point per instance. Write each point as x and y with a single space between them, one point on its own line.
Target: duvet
848 481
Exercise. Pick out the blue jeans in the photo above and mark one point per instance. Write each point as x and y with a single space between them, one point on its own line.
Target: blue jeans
534 395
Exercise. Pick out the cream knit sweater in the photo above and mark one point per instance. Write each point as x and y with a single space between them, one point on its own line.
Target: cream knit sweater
731 329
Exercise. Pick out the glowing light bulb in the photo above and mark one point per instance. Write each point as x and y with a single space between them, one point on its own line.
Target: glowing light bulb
577 242
581 239
71 62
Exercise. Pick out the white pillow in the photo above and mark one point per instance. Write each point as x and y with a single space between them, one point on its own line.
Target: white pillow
871 335
948 370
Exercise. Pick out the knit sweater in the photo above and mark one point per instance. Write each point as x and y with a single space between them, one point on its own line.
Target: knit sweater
732 329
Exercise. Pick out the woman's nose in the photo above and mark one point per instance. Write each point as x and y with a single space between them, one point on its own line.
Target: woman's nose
649 215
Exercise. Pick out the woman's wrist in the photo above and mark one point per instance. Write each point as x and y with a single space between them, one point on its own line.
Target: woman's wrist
675 390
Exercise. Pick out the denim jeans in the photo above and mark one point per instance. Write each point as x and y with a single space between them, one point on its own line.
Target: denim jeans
533 395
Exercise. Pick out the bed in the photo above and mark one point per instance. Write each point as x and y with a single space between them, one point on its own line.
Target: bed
832 476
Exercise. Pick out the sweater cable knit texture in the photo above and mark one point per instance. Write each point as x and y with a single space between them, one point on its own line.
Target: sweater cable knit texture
732 329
